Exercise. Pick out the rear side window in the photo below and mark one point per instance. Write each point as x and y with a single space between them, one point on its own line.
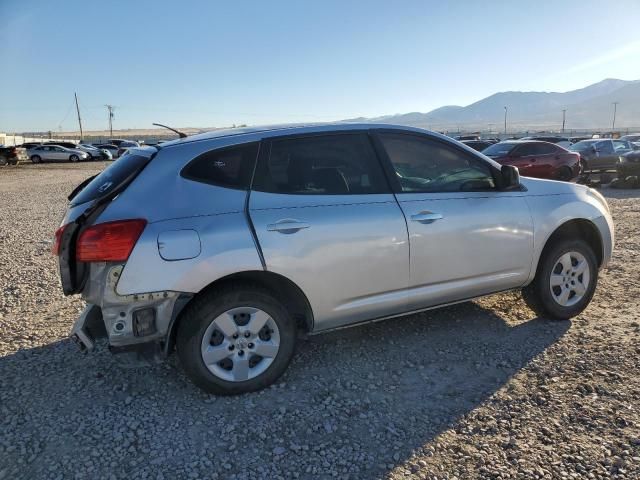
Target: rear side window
343 164
119 172
227 167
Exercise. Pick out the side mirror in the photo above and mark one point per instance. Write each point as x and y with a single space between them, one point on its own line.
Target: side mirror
594 149
509 177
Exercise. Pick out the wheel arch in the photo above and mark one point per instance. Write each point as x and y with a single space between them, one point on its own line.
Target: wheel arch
576 228
281 287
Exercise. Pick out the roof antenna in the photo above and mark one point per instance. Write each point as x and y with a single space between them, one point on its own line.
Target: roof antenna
180 134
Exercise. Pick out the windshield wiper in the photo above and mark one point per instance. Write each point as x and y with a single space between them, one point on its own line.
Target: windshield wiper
180 134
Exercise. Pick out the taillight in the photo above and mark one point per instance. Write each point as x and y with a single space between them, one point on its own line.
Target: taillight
110 241
57 238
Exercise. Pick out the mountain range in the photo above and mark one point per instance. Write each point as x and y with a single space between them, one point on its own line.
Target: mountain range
586 108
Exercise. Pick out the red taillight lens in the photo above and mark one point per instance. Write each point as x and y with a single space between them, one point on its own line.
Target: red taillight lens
57 238
109 242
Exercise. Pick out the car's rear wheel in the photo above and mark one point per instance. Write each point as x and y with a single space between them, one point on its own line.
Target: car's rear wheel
565 281
36 159
74 158
235 340
564 174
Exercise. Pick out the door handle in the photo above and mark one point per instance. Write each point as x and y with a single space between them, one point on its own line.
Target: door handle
287 225
532 160
426 217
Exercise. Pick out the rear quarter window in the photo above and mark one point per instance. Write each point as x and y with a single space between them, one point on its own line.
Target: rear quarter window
230 167
119 172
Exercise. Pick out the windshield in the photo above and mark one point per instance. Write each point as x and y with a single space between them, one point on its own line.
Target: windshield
582 146
498 149
116 174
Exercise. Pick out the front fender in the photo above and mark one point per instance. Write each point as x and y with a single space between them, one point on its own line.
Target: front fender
550 212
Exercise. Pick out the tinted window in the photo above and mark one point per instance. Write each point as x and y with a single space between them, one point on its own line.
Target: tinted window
545 149
498 149
343 164
424 165
125 169
535 149
620 145
228 167
604 147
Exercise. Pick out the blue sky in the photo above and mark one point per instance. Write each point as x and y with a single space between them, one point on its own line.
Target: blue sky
215 63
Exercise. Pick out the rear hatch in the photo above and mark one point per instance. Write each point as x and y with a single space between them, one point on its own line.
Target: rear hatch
87 201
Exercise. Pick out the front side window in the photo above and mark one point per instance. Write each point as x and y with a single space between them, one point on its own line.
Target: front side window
339 164
423 165
619 145
228 167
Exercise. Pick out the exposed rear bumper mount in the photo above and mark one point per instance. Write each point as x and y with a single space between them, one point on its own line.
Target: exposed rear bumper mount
88 328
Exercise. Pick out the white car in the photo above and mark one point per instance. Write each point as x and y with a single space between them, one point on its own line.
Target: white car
94 152
56 153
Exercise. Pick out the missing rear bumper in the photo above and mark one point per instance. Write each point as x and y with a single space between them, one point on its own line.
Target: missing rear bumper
88 328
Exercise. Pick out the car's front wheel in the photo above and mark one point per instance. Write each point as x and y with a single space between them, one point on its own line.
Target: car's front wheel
564 174
36 159
74 158
565 280
235 340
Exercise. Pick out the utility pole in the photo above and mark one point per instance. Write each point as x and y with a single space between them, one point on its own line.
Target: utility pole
110 108
505 120
79 119
564 113
615 108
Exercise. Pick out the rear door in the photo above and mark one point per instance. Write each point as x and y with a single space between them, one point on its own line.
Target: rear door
466 237
325 218
605 156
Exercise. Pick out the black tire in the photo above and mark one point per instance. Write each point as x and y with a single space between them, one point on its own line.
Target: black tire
197 317
538 295
564 174
36 159
74 158
584 167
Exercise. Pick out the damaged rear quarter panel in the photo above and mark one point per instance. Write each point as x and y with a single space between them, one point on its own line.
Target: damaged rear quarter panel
227 247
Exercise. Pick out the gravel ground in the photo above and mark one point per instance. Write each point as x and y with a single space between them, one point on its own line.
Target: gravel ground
479 390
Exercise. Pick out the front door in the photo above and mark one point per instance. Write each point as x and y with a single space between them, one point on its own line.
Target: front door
325 218
466 237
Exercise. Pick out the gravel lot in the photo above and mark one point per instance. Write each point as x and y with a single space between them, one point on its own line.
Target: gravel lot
479 390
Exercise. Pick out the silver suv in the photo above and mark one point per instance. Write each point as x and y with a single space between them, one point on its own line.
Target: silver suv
227 245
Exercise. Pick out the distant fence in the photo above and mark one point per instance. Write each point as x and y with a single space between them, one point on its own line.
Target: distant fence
9 140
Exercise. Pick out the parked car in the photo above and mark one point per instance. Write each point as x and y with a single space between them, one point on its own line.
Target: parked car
45 153
600 154
260 233
634 137
29 145
629 164
536 159
478 145
126 145
564 142
12 155
94 152
112 149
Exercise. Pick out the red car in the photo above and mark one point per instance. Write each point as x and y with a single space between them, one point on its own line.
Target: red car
536 159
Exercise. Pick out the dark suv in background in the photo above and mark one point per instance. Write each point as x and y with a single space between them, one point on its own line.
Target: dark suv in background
601 154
